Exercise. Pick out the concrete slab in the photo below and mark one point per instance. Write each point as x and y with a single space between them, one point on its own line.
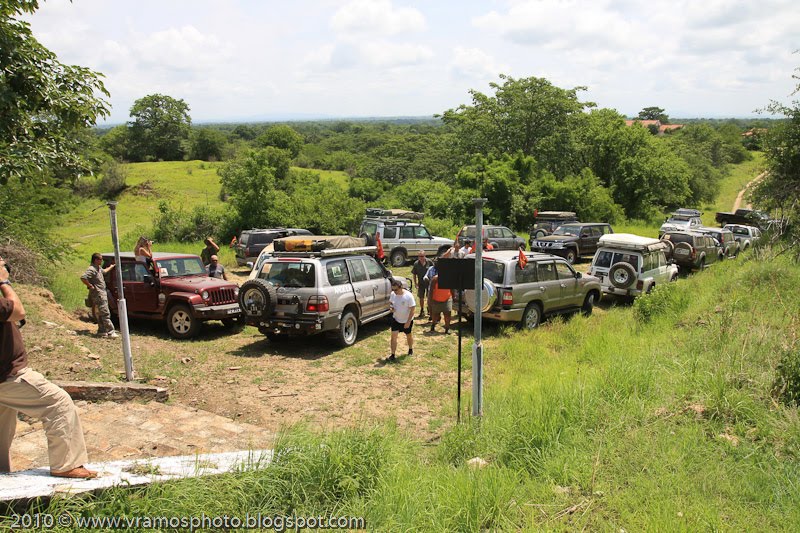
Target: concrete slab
38 483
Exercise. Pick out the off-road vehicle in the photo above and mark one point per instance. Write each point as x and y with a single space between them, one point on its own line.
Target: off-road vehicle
546 222
692 250
401 235
252 241
500 237
326 289
681 220
573 240
173 288
745 235
726 240
546 285
630 265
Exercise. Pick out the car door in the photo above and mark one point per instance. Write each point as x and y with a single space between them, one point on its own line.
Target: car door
568 284
424 241
548 284
409 241
140 296
495 236
381 287
364 288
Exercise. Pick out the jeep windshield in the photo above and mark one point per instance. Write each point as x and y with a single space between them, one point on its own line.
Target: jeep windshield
180 266
567 229
288 274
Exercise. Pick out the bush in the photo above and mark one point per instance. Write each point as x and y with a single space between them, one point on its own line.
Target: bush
112 181
787 384
663 300
185 226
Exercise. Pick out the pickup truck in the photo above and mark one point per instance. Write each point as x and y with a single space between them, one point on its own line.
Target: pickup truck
749 217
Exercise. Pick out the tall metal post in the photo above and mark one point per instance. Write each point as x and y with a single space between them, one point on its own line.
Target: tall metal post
477 347
122 306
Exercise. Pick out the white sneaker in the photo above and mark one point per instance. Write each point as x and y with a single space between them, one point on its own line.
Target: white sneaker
112 335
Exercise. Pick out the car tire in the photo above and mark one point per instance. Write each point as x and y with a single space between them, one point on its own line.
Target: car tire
702 264
181 323
673 278
621 275
398 258
369 240
531 317
348 329
571 256
588 303
539 234
257 299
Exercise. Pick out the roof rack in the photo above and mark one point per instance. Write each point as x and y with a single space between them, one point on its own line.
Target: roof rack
329 252
406 215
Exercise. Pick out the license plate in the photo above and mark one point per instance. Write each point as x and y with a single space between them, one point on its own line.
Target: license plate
232 311
681 251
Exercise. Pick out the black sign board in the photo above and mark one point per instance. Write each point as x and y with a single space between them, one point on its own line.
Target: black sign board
456 273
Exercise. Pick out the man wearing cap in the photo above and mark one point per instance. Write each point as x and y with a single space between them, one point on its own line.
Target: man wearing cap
95 281
418 271
402 305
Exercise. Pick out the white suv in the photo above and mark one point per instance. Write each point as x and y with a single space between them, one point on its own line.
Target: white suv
630 265
401 238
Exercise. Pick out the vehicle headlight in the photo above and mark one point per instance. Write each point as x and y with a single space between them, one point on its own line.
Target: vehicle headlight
236 292
204 295
558 245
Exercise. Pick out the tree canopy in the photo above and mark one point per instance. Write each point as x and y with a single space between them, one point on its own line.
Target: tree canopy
43 102
159 129
654 113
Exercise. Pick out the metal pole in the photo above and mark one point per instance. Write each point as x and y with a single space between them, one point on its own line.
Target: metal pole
458 400
122 306
477 347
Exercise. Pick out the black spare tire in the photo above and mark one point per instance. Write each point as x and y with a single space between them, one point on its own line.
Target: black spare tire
669 248
257 299
369 240
622 275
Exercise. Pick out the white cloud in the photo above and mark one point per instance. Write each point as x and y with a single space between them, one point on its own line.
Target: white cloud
181 49
475 64
376 17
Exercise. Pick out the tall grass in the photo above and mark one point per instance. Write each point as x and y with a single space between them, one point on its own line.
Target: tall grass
659 416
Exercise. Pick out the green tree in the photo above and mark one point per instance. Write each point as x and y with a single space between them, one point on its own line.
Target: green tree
283 137
43 102
159 129
115 142
654 113
207 144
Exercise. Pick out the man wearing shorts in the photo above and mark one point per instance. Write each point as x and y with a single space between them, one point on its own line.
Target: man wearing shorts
418 271
441 304
402 304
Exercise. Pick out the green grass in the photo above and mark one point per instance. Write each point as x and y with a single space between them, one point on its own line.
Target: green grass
657 417
337 176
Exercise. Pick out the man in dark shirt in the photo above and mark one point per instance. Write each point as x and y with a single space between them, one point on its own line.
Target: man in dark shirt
25 390
95 281
418 270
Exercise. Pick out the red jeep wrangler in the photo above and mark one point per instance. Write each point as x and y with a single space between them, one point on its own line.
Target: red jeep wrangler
175 288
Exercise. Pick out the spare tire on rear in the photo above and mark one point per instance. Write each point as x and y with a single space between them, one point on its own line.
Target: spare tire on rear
670 247
488 296
622 275
369 240
257 299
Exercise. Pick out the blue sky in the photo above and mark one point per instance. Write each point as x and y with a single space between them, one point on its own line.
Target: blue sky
239 59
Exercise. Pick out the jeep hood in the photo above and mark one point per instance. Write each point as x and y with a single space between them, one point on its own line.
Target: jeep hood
195 283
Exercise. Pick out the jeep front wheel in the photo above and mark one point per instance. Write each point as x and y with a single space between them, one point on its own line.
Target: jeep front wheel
181 323
348 329
398 258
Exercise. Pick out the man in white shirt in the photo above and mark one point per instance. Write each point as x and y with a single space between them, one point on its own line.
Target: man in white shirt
402 304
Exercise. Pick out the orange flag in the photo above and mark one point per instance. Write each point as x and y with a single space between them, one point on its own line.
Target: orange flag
523 260
379 246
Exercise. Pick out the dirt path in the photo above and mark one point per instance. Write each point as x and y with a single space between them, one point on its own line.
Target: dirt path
740 197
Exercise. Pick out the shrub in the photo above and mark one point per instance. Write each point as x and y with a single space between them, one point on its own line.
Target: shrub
663 300
787 383
180 225
113 180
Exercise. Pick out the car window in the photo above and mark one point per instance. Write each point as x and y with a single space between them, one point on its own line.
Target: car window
678 237
494 271
650 262
337 272
468 231
495 233
603 259
406 232
527 274
294 274
374 270
244 238
421 232
597 231
134 272
506 233
369 227
357 270
390 232
564 271
181 266
262 238
567 230
546 271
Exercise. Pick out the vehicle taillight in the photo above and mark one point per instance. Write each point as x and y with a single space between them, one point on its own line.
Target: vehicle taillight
508 298
694 254
317 304
639 285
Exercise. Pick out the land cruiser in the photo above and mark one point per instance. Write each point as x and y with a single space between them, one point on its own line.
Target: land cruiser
401 235
726 240
692 250
174 288
546 222
500 237
323 286
630 265
545 285
681 220
573 240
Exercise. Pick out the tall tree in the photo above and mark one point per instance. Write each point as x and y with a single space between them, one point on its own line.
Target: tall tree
283 137
654 113
159 129
42 102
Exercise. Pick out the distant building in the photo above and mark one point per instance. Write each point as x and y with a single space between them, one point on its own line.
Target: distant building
653 124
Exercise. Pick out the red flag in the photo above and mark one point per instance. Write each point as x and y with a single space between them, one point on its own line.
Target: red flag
233 242
523 260
378 244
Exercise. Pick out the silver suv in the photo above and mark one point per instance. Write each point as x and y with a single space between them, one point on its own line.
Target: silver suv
401 238
546 285
305 293
630 265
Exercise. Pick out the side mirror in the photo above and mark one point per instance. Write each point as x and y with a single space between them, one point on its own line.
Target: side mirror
249 265
578 275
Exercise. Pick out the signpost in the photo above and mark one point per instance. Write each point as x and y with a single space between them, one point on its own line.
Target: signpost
122 306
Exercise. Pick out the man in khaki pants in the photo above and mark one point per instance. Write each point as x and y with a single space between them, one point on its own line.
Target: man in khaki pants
23 389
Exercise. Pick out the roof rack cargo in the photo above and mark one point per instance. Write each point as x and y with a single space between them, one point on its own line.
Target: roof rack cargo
688 212
628 241
555 214
329 252
393 214
316 243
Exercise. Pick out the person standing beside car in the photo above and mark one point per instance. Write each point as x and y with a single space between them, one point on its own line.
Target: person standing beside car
215 270
24 390
402 305
96 283
209 251
418 271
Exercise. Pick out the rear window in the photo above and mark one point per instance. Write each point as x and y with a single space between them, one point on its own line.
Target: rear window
262 238
606 258
680 237
294 274
494 271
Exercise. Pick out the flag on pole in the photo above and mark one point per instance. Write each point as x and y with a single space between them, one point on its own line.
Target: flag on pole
379 246
523 260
